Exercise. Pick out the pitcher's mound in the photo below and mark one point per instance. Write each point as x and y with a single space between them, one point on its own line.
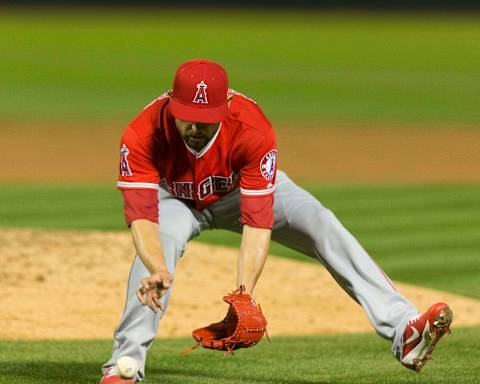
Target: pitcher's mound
72 285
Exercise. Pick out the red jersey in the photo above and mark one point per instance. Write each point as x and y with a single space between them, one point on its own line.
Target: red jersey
241 154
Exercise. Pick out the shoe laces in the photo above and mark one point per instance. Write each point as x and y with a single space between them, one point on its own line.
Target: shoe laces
414 320
110 372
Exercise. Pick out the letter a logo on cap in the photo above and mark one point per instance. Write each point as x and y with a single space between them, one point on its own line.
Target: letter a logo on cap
201 95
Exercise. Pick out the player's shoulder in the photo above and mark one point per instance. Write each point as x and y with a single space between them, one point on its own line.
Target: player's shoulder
149 119
247 112
158 102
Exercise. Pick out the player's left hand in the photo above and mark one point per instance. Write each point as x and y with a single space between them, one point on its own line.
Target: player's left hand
153 289
243 326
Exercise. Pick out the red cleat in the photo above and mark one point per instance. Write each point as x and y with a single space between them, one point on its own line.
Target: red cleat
111 377
423 333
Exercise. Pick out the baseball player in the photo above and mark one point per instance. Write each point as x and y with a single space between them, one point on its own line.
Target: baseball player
203 156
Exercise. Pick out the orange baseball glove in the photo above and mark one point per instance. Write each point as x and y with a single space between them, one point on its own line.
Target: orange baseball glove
243 326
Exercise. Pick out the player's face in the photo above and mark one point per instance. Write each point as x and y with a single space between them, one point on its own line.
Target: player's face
196 135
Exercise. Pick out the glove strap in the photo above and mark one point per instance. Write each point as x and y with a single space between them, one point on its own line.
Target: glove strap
266 332
188 350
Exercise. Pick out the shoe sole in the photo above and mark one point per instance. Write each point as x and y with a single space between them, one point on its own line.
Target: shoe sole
441 326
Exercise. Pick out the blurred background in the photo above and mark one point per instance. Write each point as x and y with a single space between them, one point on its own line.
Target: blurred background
376 107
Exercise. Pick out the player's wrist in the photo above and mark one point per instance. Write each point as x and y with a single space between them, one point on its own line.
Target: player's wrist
159 269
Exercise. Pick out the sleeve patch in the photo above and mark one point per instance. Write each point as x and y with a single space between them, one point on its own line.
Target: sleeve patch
267 165
124 166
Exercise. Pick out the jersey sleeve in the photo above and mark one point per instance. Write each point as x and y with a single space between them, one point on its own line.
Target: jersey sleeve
137 165
257 211
140 204
257 182
138 173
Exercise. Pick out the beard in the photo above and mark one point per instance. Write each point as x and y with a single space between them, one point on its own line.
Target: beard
196 143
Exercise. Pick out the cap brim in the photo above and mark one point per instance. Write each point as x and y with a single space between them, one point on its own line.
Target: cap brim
210 115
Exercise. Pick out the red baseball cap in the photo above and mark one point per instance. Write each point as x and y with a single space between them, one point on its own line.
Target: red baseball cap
200 92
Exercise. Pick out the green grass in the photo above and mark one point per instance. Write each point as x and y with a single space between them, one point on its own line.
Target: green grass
54 206
81 64
358 358
424 235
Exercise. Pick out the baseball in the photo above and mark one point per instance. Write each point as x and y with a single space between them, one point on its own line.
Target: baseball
126 367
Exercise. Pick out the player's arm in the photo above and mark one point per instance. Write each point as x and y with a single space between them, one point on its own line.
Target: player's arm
149 249
148 244
253 254
139 182
257 179
141 215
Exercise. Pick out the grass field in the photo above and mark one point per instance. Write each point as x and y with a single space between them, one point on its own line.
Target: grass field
358 358
108 64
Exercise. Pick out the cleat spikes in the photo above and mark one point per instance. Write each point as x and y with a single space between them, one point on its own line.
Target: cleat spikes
422 333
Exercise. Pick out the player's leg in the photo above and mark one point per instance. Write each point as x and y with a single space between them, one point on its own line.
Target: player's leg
303 224
138 326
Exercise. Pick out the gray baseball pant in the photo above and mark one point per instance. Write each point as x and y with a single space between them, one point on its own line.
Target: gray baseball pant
302 224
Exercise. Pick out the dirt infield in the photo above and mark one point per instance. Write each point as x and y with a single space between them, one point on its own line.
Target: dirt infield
71 285
88 152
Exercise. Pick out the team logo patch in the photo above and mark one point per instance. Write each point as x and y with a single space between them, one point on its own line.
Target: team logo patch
201 94
124 166
268 165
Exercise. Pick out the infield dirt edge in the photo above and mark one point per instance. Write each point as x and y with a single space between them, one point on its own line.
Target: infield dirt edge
78 285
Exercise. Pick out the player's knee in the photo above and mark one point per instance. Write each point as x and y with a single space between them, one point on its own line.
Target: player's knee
311 218
325 221
174 240
175 218
179 226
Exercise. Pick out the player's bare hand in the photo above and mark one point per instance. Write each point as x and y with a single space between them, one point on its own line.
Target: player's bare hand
153 289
